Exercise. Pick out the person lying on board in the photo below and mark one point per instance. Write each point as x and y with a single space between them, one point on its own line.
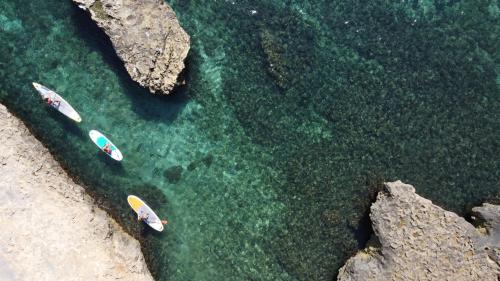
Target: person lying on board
145 217
51 102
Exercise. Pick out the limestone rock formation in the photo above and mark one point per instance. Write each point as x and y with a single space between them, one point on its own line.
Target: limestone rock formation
51 229
420 241
146 36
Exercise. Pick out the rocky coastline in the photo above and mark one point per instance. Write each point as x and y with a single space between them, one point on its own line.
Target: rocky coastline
417 240
52 230
147 37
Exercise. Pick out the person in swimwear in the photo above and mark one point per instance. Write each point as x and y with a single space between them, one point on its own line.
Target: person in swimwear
51 102
143 216
107 148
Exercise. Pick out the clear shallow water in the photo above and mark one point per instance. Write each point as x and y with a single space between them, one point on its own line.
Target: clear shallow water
266 162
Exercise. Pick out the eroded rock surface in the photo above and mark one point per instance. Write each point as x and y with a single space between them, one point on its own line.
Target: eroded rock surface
51 229
420 241
146 36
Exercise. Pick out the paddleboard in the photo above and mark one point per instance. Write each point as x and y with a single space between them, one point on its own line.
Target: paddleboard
59 103
141 208
100 140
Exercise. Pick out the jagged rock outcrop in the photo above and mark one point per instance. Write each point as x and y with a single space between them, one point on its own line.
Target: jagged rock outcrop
416 240
146 36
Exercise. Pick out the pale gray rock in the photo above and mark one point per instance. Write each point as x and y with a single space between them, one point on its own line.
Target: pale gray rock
51 229
417 240
488 216
146 36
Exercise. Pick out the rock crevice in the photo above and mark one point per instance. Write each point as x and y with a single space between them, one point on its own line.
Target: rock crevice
146 36
420 241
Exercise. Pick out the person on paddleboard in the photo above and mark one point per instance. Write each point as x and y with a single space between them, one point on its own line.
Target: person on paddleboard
107 148
51 102
145 216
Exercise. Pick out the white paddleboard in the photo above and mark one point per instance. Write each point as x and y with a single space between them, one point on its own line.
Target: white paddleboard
100 140
141 208
59 103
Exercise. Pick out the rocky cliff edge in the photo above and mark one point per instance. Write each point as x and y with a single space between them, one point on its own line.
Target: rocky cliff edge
51 229
146 36
417 240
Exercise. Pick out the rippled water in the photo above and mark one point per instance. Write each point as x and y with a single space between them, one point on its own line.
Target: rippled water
293 113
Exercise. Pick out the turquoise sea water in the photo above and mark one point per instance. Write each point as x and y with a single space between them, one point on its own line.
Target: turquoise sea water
294 111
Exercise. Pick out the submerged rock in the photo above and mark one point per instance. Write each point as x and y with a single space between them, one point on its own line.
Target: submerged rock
274 51
146 36
173 174
420 241
207 160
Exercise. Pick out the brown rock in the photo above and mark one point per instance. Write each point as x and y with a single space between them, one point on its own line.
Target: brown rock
447 247
146 36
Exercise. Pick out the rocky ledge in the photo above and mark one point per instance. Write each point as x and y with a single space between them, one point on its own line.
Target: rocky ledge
51 229
416 240
146 36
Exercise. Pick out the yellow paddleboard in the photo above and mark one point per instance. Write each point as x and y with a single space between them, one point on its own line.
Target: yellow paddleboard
142 208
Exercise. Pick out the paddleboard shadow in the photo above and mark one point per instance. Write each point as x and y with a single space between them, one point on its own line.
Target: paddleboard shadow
68 125
148 231
115 166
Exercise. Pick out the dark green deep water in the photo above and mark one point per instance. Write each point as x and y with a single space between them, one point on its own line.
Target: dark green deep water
266 162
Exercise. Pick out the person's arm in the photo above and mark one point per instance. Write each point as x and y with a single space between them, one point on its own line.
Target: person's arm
144 217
